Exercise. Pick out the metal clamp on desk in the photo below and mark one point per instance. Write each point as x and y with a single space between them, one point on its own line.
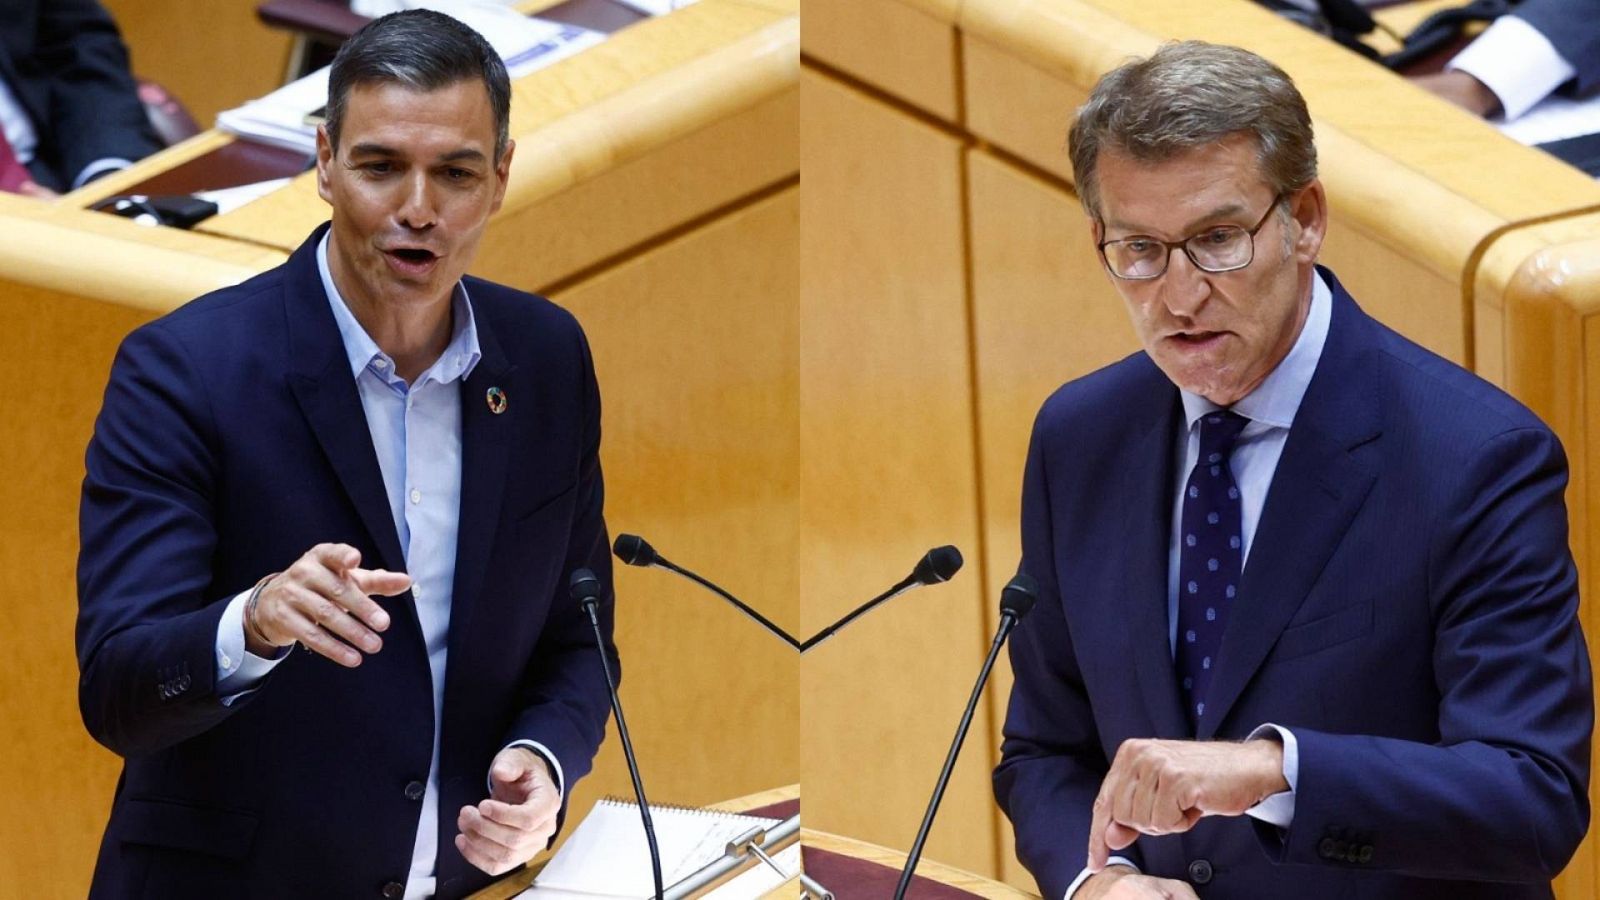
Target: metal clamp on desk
738 855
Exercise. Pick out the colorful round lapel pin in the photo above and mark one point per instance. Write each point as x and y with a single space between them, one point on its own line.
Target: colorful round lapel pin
497 400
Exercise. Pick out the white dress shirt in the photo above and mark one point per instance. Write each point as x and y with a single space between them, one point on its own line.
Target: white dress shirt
1271 409
416 433
1516 62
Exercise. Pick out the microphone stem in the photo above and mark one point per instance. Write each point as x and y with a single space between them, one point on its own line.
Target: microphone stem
1007 622
858 612
627 749
766 623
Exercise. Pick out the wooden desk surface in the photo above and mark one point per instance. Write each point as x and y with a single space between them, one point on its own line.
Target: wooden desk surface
894 859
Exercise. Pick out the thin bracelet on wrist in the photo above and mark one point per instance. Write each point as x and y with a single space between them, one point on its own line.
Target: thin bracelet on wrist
251 629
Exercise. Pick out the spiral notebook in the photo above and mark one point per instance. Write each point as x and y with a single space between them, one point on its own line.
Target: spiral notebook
607 855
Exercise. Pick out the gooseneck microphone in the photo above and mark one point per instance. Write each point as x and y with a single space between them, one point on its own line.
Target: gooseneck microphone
936 566
585 589
636 551
1015 601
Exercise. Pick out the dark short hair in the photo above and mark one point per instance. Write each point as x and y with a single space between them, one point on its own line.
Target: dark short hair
422 50
1187 95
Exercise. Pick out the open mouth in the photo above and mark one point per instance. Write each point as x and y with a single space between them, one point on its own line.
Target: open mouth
413 261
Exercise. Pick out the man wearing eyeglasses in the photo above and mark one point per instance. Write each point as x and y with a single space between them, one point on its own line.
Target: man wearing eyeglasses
1307 616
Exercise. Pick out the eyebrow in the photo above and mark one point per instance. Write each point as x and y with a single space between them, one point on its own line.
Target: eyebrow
370 149
1227 209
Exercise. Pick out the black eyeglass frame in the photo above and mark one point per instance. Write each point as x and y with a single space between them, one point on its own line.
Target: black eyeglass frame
1169 246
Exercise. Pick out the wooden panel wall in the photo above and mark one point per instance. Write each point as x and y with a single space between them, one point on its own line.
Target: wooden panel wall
696 348
211 57
887 472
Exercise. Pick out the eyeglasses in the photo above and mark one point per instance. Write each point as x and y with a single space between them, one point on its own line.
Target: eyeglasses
1220 248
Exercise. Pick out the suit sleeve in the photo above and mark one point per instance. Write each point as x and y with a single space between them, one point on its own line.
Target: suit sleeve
1051 761
94 108
1573 28
565 698
1503 795
147 625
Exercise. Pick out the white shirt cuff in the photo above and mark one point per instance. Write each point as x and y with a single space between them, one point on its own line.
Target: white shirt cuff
1278 809
1084 875
238 670
99 167
543 751
1515 61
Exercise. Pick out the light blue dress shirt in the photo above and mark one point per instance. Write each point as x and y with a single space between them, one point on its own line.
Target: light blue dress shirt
1271 409
416 432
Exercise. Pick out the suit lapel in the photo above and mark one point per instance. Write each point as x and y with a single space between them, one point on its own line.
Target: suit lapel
1316 491
485 450
1147 485
320 379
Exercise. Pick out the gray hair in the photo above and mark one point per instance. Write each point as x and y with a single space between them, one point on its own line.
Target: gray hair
422 50
1187 95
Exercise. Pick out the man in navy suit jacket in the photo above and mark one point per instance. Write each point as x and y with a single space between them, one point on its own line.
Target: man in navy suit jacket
362 420
1307 616
67 98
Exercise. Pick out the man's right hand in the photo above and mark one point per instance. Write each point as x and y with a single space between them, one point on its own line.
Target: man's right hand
323 601
1122 883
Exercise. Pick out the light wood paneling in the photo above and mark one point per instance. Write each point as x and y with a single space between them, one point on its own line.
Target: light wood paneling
887 472
212 57
908 50
696 349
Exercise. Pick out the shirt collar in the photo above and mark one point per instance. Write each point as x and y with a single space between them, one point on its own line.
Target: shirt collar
458 360
1277 398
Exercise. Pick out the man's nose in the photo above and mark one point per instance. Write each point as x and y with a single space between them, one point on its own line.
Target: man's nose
1184 286
418 209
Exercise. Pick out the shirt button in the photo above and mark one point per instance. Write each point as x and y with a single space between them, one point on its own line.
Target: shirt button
416 496
416 592
394 890
414 790
380 364
225 659
1200 871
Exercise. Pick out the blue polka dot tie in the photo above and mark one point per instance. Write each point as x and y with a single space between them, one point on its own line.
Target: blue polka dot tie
1210 558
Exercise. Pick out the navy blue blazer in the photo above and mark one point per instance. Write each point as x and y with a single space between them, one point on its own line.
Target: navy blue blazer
68 68
1573 28
1408 611
231 441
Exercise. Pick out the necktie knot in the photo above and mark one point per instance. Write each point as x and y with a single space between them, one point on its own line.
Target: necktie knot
1219 431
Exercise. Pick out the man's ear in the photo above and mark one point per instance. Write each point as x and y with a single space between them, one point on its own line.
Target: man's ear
1310 212
324 163
502 176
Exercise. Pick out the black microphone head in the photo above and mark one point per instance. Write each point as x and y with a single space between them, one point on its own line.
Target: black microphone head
584 586
939 565
1018 596
634 550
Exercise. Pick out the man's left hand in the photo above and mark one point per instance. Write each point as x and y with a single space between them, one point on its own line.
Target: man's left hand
1164 787
517 820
